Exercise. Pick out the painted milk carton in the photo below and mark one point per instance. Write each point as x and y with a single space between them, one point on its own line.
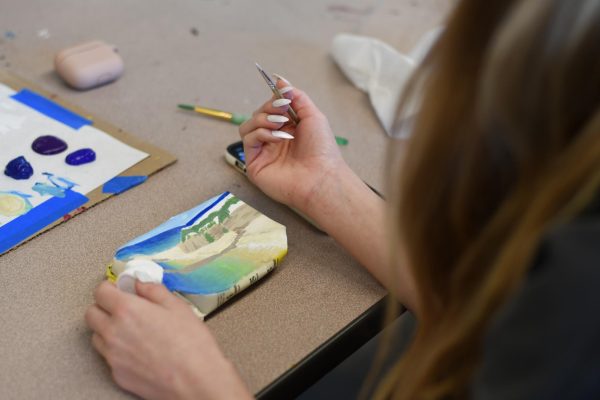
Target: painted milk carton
207 254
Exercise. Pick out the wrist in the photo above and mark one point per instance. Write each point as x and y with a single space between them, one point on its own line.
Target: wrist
323 201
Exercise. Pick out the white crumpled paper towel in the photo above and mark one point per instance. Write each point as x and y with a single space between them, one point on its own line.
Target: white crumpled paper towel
380 70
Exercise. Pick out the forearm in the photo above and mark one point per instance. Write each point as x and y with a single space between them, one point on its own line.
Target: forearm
349 211
226 384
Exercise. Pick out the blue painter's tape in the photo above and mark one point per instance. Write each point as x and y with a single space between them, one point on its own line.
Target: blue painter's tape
119 184
50 109
38 218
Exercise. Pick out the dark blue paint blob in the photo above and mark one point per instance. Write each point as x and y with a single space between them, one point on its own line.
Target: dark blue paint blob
48 145
19 168
81 156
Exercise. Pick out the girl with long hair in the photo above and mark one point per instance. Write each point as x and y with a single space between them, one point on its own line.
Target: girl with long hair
493 217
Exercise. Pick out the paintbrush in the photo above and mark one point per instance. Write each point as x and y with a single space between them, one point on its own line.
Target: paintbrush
234 118
277 93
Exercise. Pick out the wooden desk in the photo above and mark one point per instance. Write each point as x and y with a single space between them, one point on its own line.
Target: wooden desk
195 52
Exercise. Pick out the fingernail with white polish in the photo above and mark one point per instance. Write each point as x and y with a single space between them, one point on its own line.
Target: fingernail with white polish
281 102
277 118
282 135
282 78
286 89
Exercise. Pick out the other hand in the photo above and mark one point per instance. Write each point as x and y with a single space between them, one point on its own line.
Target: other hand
157 348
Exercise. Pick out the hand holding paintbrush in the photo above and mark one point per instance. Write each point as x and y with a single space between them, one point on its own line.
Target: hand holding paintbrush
278 94
288 162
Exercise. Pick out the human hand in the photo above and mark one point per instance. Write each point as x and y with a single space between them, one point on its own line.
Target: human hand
157 348
290 170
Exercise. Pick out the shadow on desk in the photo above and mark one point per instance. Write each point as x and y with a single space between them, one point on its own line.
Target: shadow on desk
346 380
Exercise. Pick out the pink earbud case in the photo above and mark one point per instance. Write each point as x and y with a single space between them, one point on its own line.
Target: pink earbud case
89 64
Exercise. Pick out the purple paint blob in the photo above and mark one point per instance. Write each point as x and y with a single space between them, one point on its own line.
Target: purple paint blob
81 156
48 145
19 168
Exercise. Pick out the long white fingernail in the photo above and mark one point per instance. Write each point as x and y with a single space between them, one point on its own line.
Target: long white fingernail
286 89
277 118
281 102
277 76
282 135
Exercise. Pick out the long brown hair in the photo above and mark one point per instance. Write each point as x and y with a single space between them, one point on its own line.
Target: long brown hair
505 147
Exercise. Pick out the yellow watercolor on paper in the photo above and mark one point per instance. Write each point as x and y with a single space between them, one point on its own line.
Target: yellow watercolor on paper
13 204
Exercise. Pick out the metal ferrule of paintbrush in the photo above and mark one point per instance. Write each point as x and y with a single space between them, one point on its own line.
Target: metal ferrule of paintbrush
277 93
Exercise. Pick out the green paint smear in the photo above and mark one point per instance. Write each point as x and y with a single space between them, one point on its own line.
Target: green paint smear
214 277
341 141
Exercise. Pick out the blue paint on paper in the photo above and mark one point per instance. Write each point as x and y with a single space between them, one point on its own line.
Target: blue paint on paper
50 109
62 183
19 169
58 187
167 234
81 156
119 184
44 189
38 218
48 145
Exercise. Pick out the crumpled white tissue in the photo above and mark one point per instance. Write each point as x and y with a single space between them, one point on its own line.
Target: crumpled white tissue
378 69
139 269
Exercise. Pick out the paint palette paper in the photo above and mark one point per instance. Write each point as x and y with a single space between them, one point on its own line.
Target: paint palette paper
55 187
211 252
56 159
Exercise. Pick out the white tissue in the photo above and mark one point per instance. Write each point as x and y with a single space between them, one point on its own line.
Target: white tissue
378 69
146 271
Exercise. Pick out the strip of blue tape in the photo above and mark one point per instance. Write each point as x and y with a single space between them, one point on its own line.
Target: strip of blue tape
38 218
119 184
50 109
